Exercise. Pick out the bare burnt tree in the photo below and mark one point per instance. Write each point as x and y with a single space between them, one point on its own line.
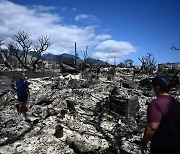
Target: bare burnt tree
2 53
5 57
87 63
10 47
121 65
85 55
174 47
148 63
24 46
44 43
128 63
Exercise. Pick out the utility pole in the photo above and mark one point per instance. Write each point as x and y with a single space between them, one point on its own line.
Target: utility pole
115 61
75 57
10 48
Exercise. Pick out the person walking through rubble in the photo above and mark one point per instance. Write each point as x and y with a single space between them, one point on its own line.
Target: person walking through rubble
98 69
163 120
22 94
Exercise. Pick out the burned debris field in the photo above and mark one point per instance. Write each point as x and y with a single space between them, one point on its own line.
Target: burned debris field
78 113
89 77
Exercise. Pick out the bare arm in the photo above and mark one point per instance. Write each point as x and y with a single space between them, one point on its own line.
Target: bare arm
28 91
150 129
149 132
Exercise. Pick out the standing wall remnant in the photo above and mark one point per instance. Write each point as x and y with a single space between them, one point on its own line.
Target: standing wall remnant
128 107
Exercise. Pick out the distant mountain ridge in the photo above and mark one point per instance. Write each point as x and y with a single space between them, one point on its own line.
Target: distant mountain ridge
96 61
52 57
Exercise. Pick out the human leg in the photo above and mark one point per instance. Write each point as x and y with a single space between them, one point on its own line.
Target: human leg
19 110
22 107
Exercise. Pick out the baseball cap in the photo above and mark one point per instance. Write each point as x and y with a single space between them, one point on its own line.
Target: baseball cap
161 81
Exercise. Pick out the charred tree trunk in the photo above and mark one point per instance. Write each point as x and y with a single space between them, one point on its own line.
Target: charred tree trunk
4 59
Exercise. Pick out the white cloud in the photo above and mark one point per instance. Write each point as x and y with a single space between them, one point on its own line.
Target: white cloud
42 8
111 49
41 20
86 18
36 22
81 17
103 37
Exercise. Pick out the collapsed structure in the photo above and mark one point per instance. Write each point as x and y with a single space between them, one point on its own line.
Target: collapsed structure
82 113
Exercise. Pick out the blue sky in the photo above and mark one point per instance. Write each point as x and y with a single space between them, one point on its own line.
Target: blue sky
112 29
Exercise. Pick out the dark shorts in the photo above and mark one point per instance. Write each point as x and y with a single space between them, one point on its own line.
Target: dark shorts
163 150
22 101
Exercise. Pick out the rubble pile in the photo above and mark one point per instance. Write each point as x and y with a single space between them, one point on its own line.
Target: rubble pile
68 115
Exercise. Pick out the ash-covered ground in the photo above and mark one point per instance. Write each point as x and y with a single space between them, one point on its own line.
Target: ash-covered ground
69 114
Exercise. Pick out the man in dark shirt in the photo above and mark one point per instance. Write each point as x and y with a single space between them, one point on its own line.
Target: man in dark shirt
22 93
163 120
